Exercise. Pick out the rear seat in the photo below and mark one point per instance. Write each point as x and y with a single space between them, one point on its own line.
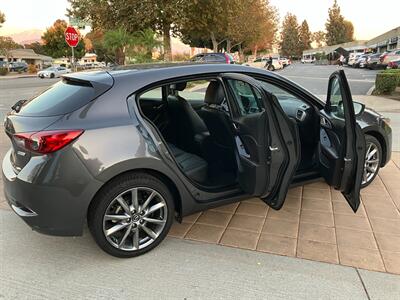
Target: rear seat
194 166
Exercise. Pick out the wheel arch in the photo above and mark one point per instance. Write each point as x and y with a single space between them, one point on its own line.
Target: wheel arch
382 143
176 194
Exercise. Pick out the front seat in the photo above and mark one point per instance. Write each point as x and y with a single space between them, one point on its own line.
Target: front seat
190 129
219 124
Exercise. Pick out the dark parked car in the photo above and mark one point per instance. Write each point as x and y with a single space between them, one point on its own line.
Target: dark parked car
374 62
213 58
129 151
18 66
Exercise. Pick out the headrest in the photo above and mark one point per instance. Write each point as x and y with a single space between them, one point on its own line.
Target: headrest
214 93
178 86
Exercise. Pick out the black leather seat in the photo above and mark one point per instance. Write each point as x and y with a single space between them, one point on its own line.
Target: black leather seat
190 129
216 117
193 166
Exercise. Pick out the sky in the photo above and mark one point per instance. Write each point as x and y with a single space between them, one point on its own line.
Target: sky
24 15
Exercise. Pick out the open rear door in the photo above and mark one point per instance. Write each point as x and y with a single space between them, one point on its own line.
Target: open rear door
266 139
342 143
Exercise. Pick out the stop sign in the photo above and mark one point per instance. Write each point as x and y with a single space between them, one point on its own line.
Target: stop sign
71 36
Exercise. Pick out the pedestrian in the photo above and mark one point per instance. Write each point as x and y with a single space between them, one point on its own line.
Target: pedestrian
341 60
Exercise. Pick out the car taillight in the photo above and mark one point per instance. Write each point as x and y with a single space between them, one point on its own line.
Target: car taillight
44 142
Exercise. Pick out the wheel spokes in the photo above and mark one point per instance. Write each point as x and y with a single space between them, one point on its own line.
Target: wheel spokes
156 221
116 228
149 198
149 232
135 201
124 205
128 230
116 217
154 208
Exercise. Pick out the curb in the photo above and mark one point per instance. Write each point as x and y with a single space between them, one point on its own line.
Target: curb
369 93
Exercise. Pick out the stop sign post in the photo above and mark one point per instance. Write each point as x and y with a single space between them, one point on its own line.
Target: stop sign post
72 39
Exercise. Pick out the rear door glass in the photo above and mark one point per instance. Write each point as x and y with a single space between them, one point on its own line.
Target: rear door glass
62 98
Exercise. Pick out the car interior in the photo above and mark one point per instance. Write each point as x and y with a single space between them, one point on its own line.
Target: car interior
193 118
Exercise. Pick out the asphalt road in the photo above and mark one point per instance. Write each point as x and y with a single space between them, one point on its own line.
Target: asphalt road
315 78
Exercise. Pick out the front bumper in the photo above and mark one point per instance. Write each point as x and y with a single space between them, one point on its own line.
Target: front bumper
50 194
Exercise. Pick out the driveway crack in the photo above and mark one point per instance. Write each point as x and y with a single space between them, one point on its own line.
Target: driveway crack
362 282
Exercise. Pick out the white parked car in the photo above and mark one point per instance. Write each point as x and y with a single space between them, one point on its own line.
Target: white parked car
307 60
262 62
53 72
353 57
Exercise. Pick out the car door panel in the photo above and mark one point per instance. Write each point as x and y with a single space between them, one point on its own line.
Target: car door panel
342 143
267 142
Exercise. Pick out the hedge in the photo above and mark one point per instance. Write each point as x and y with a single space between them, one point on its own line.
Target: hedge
385 83
393 71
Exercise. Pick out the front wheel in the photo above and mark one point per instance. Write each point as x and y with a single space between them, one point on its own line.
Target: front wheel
131 215
373 158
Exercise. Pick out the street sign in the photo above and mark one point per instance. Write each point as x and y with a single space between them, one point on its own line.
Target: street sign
71 36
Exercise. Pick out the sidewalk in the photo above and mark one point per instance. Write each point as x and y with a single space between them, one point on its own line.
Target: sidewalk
16 76
36 266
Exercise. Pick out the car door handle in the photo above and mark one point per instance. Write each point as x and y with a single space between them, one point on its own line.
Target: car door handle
273 148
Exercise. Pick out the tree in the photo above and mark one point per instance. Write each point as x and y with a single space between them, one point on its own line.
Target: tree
7 44
2 18
305 36
118 40
35 46
54 42
349 31
204 21
131 15
338 30
255 33
290 37
319 38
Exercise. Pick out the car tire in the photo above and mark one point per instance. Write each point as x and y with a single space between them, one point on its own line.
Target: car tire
271 68
142 235
52 75
373 162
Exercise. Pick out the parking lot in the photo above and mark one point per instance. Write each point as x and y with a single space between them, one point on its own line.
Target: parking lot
246 244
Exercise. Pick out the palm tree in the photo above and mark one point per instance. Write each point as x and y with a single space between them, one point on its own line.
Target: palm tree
118 40
146 40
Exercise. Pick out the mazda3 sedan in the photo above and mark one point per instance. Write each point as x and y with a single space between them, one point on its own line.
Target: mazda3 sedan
130 150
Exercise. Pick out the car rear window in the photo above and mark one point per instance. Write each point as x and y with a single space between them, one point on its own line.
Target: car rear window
62 98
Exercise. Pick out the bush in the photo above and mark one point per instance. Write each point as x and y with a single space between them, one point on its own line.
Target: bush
393 71
385 83
32 69
3 71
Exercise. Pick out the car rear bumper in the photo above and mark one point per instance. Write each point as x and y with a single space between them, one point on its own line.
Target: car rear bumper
47 197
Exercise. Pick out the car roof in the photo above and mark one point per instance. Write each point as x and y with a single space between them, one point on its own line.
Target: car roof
130 79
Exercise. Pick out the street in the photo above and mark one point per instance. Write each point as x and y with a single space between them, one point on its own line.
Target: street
315 78
35 266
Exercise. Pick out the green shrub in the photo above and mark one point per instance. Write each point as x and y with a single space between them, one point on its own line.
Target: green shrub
385 83
393 71
3 71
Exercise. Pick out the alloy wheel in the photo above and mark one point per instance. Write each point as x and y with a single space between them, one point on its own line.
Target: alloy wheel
135 218
371 164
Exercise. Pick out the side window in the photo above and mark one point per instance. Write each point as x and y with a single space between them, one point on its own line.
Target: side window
335 98
154 95
246 97
194 90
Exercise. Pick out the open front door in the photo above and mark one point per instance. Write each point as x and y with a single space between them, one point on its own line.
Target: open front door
267 140
342 143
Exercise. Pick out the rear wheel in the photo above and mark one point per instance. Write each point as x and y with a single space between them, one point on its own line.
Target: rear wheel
373 158
131 215
52 75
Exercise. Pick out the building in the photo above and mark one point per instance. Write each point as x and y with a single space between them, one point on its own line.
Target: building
29 56
385 42
62 61
88 58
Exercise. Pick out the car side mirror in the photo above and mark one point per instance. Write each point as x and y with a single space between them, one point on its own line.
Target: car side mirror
358 108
